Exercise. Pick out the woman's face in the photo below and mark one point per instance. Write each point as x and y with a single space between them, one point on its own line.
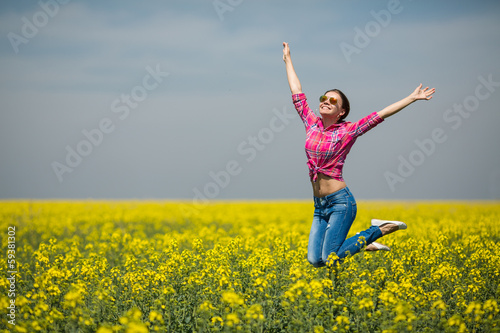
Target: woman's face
331 110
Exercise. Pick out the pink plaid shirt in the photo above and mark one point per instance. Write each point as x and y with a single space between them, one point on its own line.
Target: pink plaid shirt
326 149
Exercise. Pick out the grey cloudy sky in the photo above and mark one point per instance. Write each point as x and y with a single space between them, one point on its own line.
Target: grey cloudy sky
189 99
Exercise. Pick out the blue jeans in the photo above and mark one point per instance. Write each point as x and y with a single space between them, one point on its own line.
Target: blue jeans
333 217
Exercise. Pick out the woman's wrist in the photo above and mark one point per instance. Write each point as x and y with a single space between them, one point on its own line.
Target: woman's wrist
410 99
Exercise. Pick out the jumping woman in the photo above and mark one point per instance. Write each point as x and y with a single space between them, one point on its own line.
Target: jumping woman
328 141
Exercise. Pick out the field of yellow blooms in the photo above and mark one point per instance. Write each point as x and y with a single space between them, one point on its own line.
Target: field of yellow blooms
136 266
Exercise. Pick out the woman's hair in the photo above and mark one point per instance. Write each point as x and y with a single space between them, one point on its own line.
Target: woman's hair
345 103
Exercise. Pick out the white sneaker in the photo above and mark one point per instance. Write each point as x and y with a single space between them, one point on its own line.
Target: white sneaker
380 223
381 247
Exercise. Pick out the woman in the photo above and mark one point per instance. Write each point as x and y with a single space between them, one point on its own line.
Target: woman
329 140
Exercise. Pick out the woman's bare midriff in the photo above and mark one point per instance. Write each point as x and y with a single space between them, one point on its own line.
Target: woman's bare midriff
326 185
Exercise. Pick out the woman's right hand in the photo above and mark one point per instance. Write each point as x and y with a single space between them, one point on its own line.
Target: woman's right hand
286 51
293 80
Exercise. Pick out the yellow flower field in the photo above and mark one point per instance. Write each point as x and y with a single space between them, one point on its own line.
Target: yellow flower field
136 266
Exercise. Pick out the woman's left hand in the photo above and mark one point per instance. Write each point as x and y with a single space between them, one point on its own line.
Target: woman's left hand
420 93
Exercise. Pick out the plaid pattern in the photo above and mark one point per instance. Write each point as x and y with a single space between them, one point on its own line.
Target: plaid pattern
326 149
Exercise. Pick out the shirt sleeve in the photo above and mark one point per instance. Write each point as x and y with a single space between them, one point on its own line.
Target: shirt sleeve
306 114
365 124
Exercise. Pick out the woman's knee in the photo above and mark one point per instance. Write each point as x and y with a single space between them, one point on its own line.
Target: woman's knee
315 261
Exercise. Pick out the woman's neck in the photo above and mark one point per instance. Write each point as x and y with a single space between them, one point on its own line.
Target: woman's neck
328 121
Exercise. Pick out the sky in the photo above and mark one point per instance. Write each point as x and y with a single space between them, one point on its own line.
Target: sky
189 99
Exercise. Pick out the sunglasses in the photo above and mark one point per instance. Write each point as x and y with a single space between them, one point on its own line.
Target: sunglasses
324 98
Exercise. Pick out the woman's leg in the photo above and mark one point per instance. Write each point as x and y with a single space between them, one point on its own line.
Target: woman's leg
316 239
342 213
333 218
355 243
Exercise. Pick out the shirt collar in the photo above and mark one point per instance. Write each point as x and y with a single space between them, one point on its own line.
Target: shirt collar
331 127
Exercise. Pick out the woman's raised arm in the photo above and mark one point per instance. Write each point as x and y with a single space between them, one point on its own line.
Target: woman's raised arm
293 79
418 94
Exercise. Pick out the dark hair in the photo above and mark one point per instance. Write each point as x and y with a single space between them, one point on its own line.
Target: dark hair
345 103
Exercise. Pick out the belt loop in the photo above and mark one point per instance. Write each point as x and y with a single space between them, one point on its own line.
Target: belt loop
327 199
